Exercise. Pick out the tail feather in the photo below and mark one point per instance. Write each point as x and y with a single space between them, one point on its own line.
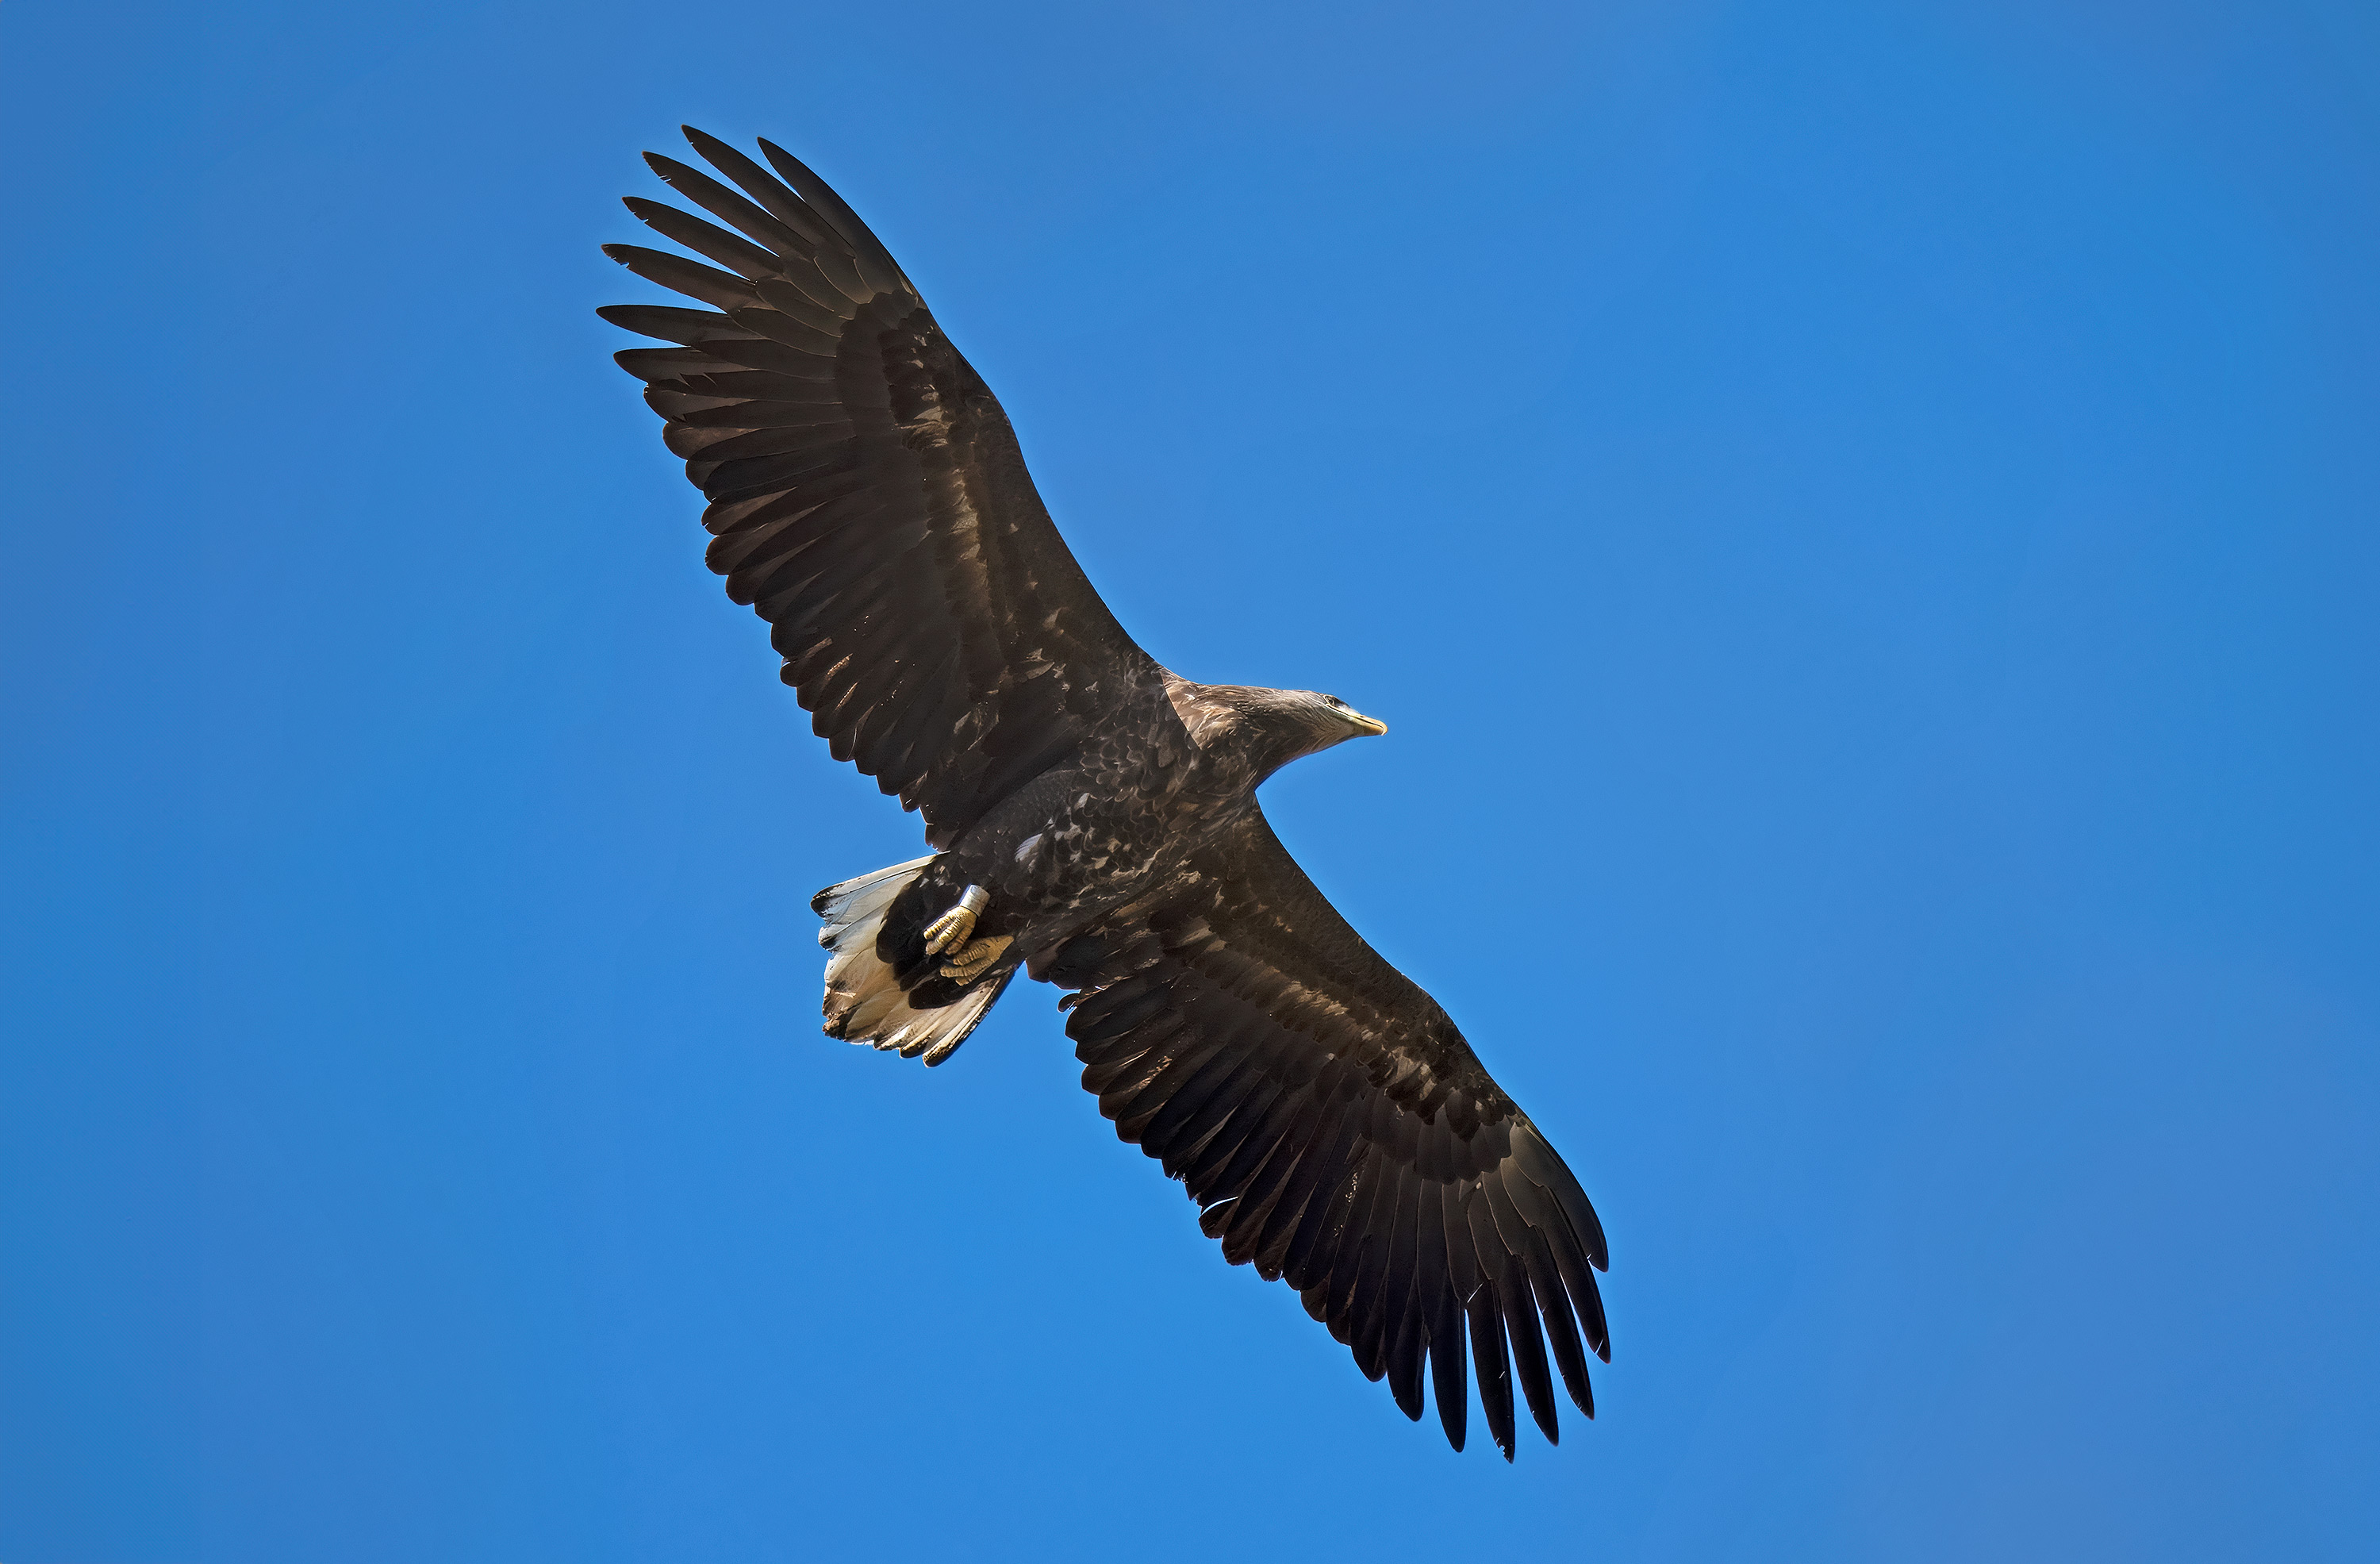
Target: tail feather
865 1002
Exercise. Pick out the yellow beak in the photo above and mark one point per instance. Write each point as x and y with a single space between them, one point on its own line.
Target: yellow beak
1366 726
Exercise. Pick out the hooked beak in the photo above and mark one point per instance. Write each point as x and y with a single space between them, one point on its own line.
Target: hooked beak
1367 728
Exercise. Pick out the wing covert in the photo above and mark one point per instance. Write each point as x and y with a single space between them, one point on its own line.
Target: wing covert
867 495
1338 1134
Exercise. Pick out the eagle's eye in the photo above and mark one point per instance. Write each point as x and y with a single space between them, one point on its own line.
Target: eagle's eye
1336 704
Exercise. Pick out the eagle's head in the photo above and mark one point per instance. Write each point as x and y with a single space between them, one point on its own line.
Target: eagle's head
1272 728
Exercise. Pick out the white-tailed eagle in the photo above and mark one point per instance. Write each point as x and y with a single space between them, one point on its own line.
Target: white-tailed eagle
1093 815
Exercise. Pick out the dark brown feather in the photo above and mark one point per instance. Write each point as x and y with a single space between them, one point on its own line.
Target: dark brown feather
1337 1131
833 380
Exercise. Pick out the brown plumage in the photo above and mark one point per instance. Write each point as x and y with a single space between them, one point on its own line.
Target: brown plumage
1095 815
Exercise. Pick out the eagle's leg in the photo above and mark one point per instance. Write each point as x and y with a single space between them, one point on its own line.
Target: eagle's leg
953 927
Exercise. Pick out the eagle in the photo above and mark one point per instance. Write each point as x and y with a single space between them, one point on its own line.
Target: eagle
1092 815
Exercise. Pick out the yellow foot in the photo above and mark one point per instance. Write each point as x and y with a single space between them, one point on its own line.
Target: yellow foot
953 927
974 959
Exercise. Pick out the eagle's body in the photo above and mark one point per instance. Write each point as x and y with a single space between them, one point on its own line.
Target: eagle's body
1161 782
1095 815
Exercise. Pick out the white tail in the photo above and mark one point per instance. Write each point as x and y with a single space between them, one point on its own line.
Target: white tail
864 1002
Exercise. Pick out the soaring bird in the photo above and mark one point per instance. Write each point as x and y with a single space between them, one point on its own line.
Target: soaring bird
1092 815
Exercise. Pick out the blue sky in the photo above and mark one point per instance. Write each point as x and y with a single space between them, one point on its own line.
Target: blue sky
1859 519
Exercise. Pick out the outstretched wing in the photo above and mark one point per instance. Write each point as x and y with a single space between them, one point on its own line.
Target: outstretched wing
1336 1130
867 498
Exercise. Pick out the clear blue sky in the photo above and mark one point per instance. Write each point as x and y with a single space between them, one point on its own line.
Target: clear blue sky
1861 519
